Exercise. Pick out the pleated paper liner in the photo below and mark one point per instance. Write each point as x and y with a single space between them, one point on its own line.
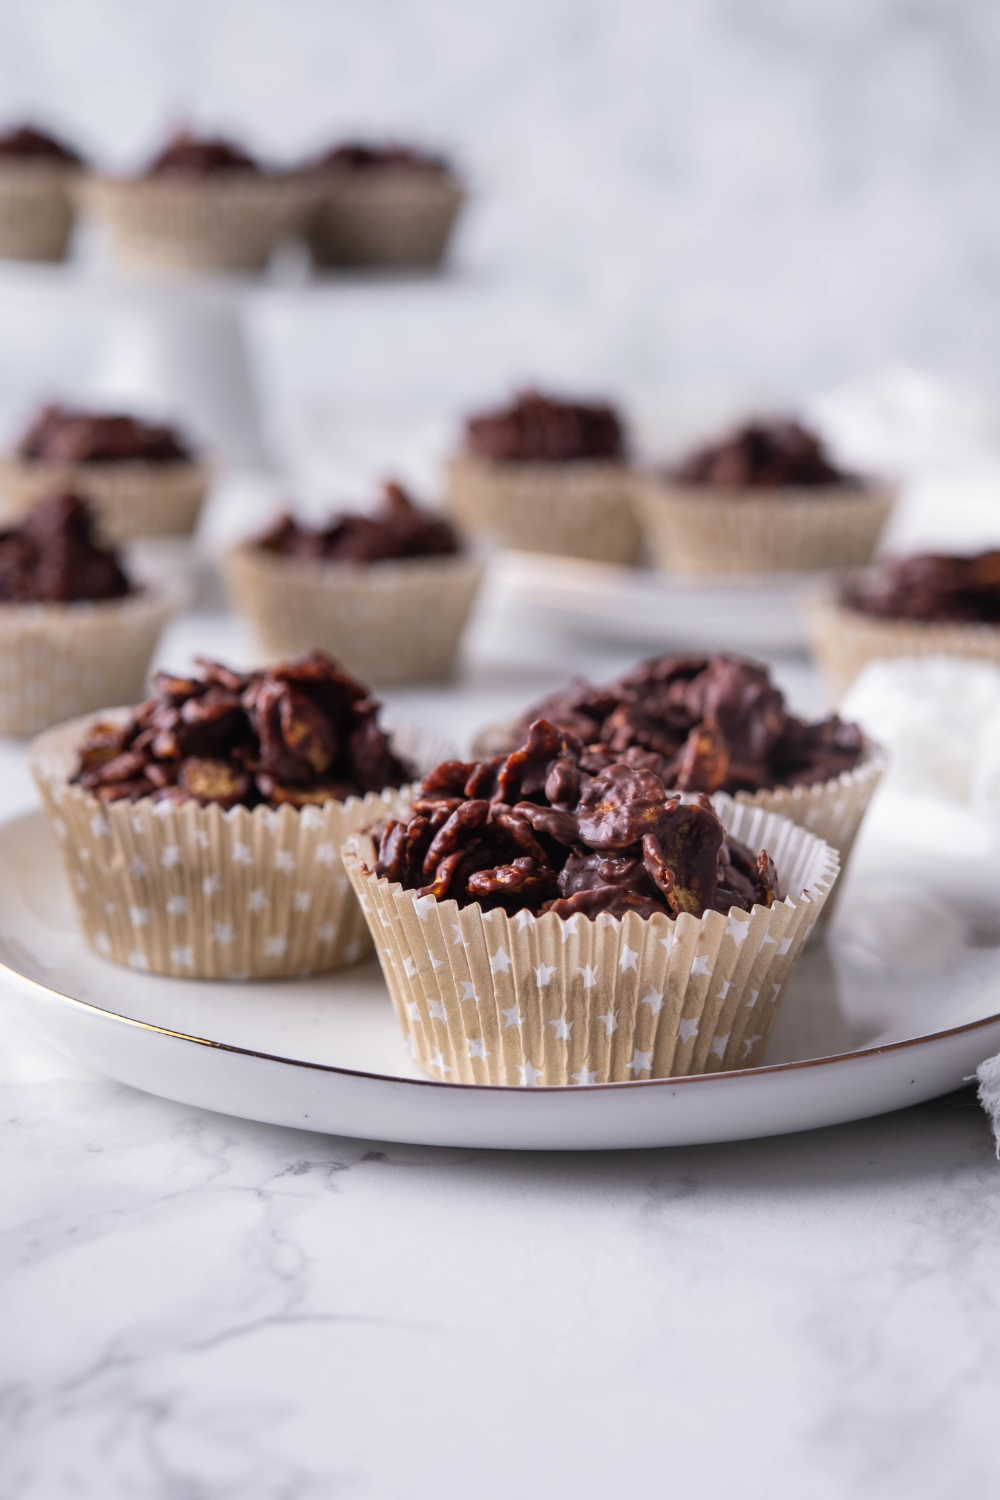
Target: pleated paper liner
230 222
383 218
195 892
698 530
843 640
580 509
36 209
130 499
488 998
393 621
60 660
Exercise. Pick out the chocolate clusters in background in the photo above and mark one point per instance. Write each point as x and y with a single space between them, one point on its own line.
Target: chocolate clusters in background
53 557
534 830
703 725
356 156
60 434
763 455
187 155
400 529
539 429
960 590
302 733
28 144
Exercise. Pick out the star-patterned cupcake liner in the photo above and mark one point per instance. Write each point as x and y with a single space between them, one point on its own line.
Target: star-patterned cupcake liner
693 529
484 997
199 893
384 218
393 621
130 499
580 509
36 209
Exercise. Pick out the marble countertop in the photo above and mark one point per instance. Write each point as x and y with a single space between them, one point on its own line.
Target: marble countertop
198 1306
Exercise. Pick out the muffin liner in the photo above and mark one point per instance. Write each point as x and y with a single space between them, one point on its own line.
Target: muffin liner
59 660
196 892
484 997
393 621
696 529
578 509
228 222
36 209
130 499
383 218
843 640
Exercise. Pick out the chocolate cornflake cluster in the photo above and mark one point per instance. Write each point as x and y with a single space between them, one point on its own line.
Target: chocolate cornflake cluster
399 529
536 830
702 725
932 586
62 434
29 144
359 156
763 455
187 155
301 733
540 429
53 557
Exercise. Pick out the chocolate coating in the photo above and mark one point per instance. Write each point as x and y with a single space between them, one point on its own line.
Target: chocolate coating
53 557
763 455
26 143
932 587
540 429
187 155
60 434
399 529
360 156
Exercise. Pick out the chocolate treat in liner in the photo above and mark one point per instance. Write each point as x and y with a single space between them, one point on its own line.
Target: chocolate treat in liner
63 435
357 156
541 924
542 429
764 455
54 557
931 586
25 143
187 155
399 529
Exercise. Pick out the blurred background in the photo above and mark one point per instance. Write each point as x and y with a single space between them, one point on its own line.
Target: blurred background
690 207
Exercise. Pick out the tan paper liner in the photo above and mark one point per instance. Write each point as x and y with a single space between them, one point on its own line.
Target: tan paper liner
843 641
383 218
580 509
487 998
130 498
199 893
169 224
60 660
393 621
36 209
697 530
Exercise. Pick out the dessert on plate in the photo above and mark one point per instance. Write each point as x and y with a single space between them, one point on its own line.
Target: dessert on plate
75 631
387 593
546 475
37 174
766 498
711 724
933 604
201 830
542 918
141 478
202 204
382 205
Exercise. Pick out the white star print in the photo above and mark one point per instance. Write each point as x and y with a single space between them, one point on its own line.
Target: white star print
589 976
326 854
274 947
687 1030
436 963
59 828
585 1076
456 929
562 1029
80 881
422 905
182 957
719 1044
726 987
137 959
171 856
628 959
257 901
477 1048
223 933
543 974
737 930
413 1010
201 838
437 1061
139 916
328 932
99 825
210 885
514 1017
569 927
85 854
437 1010
110 908
529 1075
784 946
700 965
103 943
138 866
488 916
775 991
654 1000
302 900
768 939
353 950
311 817
668 941
749 1045
641 1062
753 999
409 968
241 853
525 918
469 990
177 906
610 1022
500 962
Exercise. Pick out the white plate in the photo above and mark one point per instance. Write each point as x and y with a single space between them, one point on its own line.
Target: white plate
853 1039
643 608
